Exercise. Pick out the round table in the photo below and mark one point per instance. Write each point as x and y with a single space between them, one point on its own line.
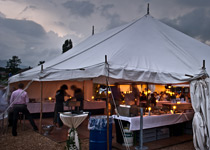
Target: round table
73 121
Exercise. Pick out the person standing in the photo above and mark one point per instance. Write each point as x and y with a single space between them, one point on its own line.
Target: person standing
19 100
116 98
60 94
136 93
79 95
10 110
151 101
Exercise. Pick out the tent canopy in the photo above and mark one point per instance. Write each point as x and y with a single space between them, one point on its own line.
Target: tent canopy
145 50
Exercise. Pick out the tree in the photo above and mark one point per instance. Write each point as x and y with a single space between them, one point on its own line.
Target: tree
67 45
13 65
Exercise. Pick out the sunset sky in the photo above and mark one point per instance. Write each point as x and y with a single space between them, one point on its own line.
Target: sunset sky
34 30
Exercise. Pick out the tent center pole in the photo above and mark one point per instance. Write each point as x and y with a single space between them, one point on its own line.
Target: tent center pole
41 105
107 101
40 122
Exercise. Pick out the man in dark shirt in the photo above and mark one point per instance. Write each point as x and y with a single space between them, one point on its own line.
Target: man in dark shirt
79 95
60 94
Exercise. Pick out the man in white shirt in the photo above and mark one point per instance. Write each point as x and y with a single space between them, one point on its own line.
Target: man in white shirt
19 99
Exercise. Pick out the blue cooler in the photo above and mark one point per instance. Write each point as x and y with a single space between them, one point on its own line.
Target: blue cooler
98 133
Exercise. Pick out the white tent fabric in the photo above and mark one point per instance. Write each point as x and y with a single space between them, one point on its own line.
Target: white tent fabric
200 98
145 50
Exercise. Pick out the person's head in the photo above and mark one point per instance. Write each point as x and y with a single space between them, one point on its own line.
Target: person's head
20 85
73 87
64 87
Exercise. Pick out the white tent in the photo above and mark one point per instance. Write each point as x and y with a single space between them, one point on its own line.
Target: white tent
145 50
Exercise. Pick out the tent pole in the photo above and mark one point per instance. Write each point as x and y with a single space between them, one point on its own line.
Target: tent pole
41 90
92 30
204 65
107 102
83 86
147 92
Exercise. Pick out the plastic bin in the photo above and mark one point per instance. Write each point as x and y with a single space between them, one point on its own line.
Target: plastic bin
98 133
128 137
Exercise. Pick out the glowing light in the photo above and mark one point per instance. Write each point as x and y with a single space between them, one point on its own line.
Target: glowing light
156 101
50 98
149 108
92 97
178 102
147 92
174 107
109 92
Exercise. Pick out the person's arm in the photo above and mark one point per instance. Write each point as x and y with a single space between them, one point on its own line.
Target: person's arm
66 94
11 98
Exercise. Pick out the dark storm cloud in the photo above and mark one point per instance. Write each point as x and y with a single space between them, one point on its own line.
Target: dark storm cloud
113 18
195 24
194 3
28 40
23 27
79 8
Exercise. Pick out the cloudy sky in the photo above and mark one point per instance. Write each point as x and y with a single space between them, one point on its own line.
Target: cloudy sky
34 30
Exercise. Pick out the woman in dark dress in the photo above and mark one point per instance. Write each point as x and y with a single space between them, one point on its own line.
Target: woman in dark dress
60 94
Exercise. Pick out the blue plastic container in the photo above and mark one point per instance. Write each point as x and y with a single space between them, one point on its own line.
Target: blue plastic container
98 135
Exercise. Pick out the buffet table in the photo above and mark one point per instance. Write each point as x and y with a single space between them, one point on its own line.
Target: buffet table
49 106
156 120
180 106
155 127
160 103
94 105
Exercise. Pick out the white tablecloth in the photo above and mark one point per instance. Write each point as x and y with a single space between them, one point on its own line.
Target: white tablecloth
72 120
156 120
